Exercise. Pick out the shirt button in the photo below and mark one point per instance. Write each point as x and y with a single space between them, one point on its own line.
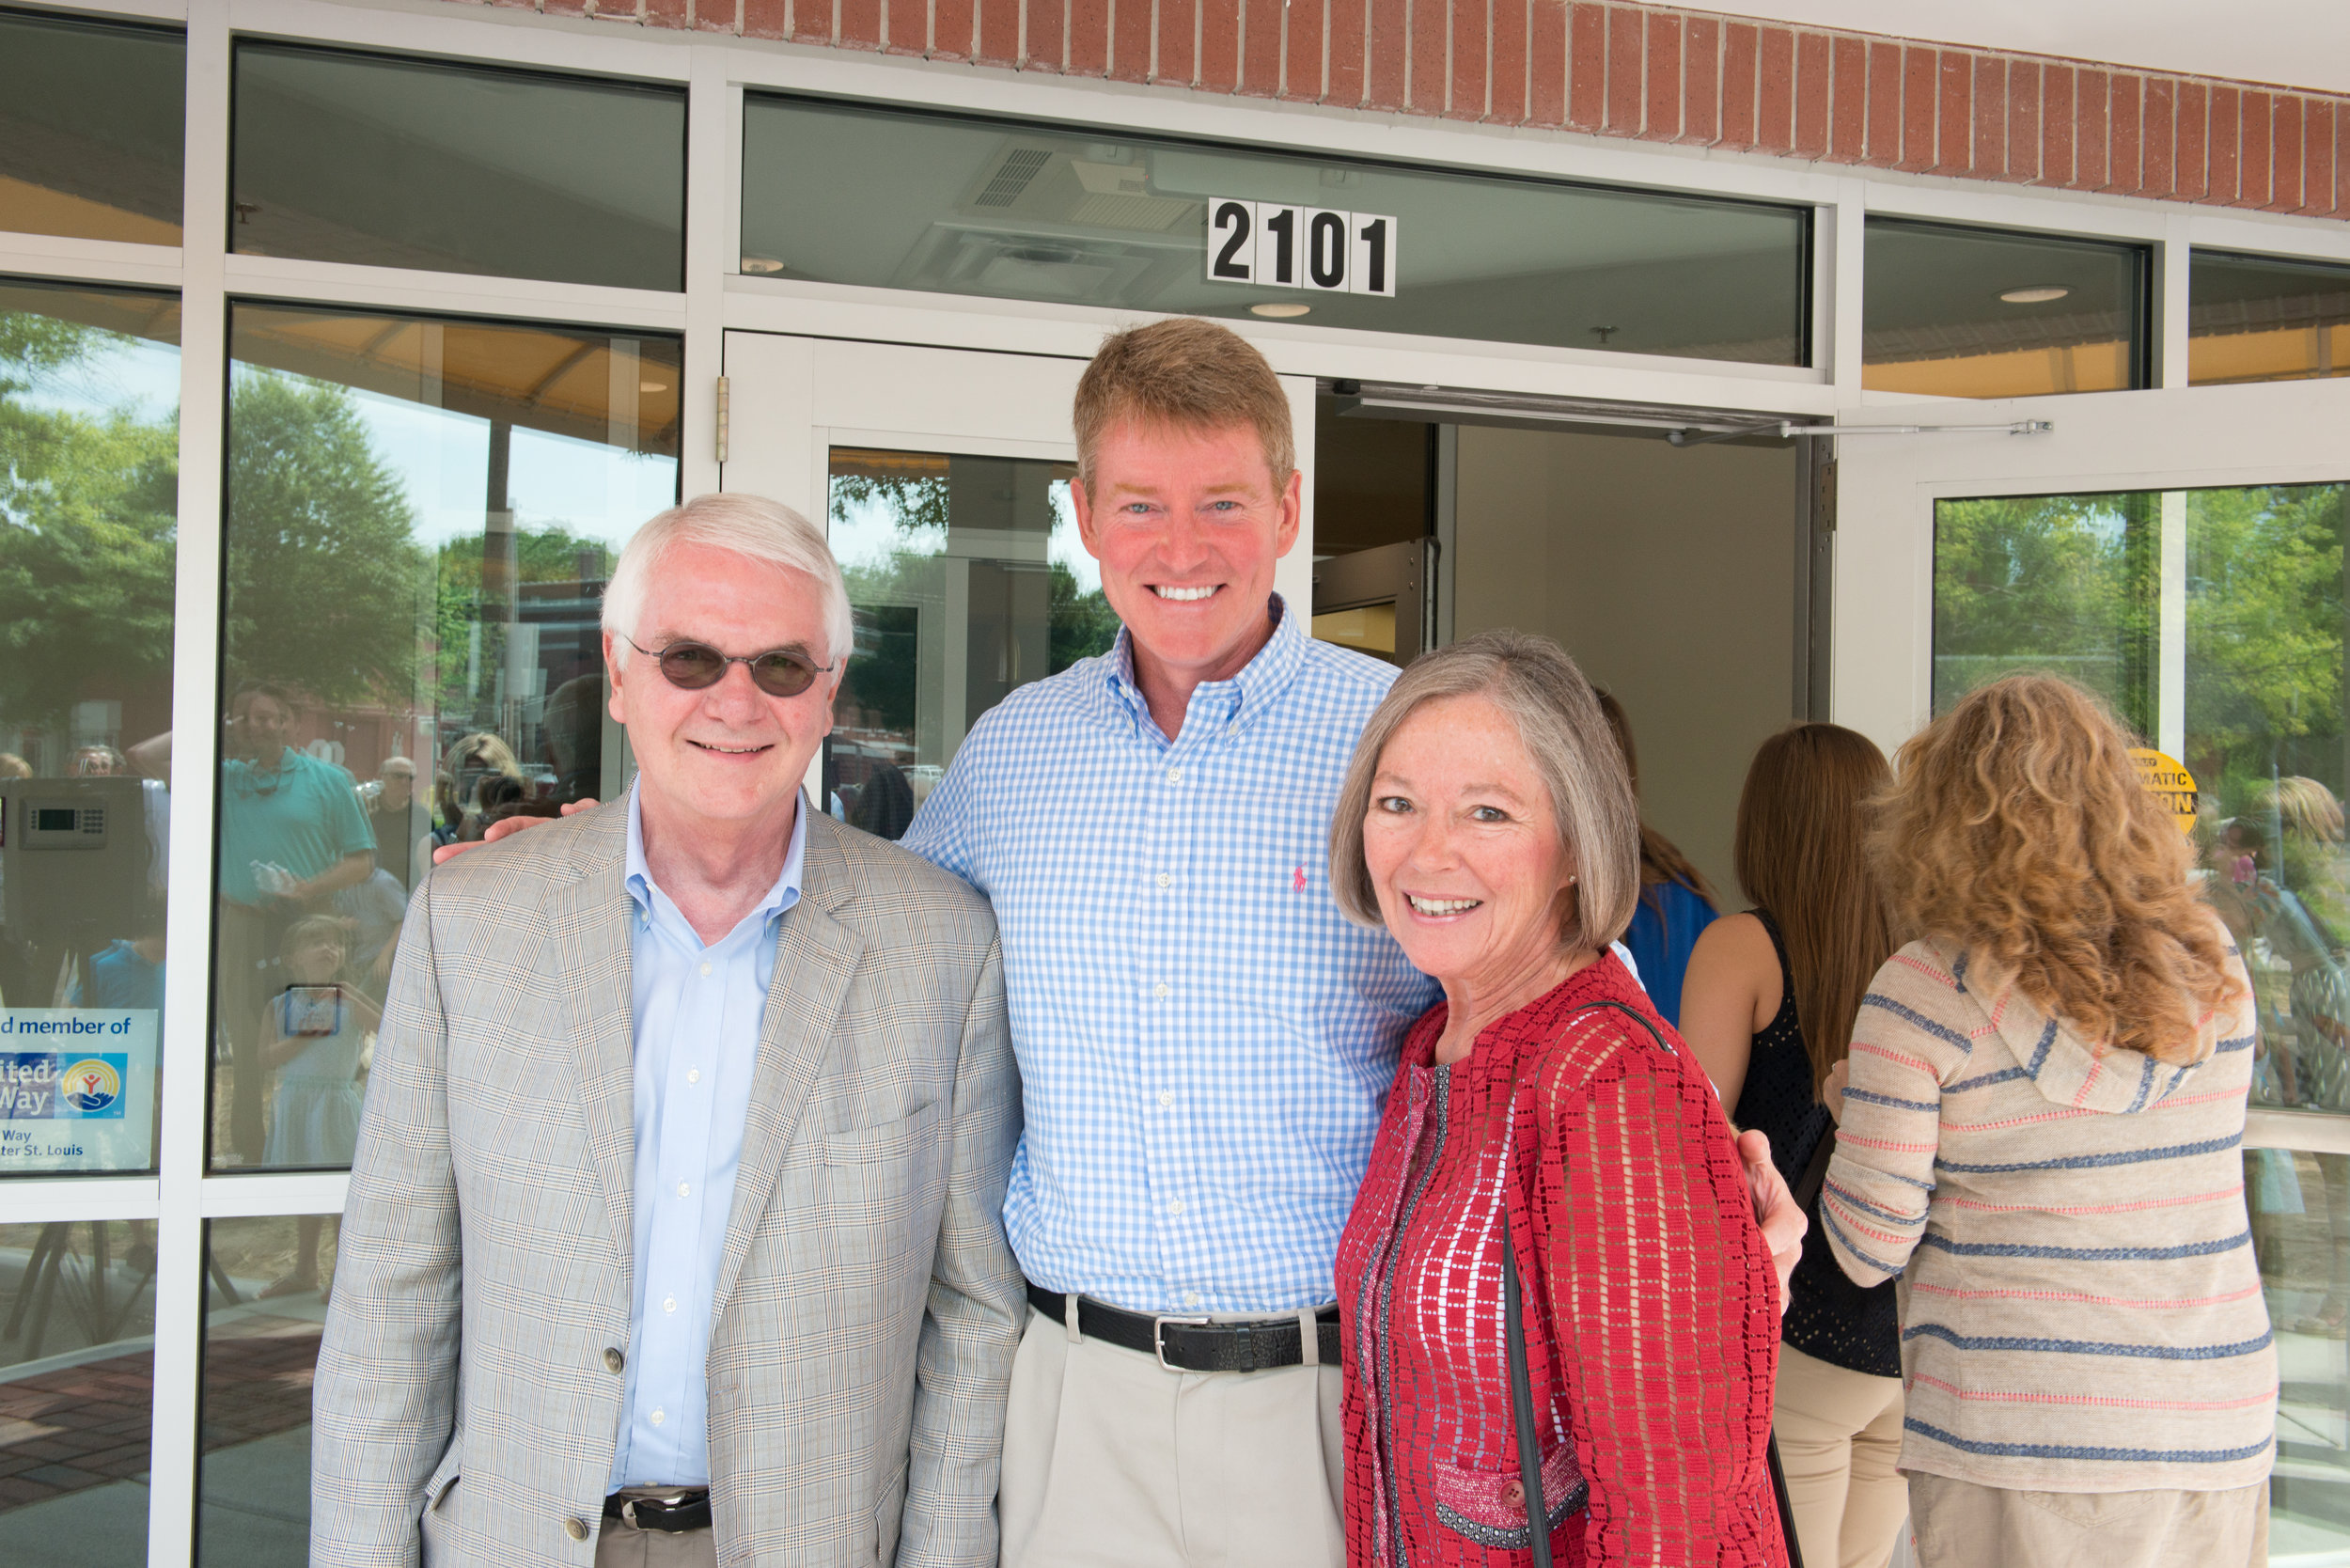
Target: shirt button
1174 775
693 1075
658 1416
1191 1299
1165 881
614 1360
576 1528
1176 1207
685 1189
705 969
1166 1097
1160 989
668 1304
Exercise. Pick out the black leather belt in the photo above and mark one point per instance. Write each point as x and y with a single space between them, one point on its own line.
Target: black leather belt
687 1508
1194 1343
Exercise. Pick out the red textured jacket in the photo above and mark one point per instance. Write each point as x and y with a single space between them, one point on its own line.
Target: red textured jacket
1652 1314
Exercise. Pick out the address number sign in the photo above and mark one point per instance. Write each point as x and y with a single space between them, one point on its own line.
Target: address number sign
1267 243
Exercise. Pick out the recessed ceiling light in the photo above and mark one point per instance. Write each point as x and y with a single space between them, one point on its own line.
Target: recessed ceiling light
652 387
2040 295
762 264
1281 311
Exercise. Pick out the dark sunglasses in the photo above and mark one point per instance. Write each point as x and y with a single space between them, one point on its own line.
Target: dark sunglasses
694 666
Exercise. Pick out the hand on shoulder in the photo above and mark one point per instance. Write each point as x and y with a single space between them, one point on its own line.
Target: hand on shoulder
508 826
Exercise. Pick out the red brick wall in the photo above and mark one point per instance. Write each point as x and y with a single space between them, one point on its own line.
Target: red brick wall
1638 71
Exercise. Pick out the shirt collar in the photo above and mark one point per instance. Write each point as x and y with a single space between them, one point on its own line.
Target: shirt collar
1241 696
637 877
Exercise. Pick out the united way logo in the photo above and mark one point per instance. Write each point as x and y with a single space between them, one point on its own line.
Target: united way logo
89 1086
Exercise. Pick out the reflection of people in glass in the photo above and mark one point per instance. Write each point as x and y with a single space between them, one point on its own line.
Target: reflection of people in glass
291 835
99 762
885 807
373 911
314 1038
467 769
2279 890
392 815
571 737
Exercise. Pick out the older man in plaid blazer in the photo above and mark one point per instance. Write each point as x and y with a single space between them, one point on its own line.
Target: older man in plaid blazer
674 1233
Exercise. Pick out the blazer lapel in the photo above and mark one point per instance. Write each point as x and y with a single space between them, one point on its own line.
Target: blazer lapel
816 957
590 925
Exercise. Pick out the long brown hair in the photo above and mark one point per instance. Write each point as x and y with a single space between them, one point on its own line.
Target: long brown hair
1661 860
1801 854
2021 833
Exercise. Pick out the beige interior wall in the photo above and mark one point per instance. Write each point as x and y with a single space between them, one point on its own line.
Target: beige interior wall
1669 573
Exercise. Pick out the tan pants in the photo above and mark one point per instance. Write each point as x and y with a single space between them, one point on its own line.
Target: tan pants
1961 1524
1840 1440
622 1544
1112 1462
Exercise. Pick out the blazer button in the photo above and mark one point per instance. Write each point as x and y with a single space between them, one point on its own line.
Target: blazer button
576 1528
614 1360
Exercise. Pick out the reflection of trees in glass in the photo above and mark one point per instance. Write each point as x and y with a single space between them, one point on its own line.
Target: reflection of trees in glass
2054 583
1083 624
552 554
322 558
2071 583
2265 617
87 510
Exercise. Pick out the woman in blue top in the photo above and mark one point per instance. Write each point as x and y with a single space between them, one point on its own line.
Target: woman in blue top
1675 902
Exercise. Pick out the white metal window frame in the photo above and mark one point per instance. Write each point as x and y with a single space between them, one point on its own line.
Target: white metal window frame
717 298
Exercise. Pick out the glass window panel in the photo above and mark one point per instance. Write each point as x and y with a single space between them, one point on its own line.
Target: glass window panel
422 515
77 1366
92 119
89 399
2242 647
967 580
265 1291
1976 313
910 200
361 158
2254 317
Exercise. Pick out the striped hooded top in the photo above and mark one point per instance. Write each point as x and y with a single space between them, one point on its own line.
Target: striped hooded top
2080 1304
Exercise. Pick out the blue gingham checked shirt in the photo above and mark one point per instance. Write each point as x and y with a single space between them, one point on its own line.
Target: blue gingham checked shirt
1204 1041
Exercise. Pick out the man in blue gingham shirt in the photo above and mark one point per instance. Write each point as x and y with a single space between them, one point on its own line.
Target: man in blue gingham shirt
1204 1041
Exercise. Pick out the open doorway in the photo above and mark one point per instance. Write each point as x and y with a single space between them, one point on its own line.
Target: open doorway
1677 576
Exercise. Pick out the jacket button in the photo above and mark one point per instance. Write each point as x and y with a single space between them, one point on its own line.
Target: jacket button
576 1528
614 1360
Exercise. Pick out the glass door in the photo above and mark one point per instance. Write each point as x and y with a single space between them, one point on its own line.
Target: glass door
2185 553
943 479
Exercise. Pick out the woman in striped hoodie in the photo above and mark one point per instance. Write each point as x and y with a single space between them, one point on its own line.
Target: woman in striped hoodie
2041 1137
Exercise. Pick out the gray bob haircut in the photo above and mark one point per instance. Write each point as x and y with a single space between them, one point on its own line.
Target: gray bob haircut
748 526
1557 717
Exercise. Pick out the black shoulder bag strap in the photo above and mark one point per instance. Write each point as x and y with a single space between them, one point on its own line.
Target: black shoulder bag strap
1522 1381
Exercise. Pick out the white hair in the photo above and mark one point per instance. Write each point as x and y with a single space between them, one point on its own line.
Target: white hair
748 526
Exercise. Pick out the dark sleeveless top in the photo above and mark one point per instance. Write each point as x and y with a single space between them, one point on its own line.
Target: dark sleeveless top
1829 1317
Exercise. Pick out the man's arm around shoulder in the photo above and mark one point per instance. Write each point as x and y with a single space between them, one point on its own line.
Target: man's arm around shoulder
978 1305
385 1400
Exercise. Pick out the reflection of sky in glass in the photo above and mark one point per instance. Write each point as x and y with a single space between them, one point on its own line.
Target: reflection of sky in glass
443 459
866 533
128 375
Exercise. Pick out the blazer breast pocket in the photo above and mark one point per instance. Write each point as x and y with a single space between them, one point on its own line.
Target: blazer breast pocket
883 1142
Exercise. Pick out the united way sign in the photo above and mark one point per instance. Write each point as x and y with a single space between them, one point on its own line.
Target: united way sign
1270 244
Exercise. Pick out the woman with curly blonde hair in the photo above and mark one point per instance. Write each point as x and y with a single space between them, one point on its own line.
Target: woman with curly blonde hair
2040 1136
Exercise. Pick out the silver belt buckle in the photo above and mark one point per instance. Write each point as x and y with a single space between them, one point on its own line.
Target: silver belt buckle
1158 1336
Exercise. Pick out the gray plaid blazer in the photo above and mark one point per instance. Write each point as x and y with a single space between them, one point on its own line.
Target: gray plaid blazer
467 1404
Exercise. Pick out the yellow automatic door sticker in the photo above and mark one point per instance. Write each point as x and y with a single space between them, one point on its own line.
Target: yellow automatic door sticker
2168 778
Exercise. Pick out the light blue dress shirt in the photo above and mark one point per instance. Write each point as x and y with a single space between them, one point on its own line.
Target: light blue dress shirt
696 1011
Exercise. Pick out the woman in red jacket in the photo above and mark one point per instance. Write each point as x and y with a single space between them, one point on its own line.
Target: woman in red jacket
1544 1116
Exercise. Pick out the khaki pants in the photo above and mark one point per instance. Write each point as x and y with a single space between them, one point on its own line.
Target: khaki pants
622 1544
1961 1524
1112 1462
1840 1441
